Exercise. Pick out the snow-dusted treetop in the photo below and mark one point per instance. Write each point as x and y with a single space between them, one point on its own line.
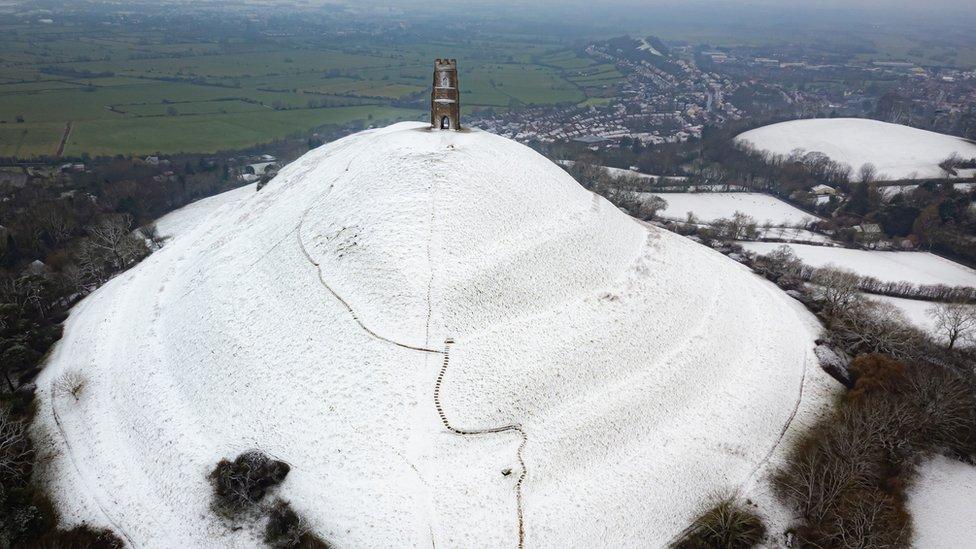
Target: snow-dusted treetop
447 339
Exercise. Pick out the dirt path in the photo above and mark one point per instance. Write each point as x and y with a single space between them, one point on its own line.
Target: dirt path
437 385
81 475
64 140
352 312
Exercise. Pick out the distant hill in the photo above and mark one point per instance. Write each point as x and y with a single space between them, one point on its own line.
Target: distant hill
651 50
898 152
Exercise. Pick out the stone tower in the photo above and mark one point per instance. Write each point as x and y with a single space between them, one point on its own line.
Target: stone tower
445 105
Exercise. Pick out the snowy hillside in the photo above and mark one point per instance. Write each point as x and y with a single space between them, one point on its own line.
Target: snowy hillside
405 315
940 501
914 267
709 207
898 152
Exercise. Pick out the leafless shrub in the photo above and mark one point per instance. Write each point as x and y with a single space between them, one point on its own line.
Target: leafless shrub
150 232
727 524
286 529
240 484
70 383
650 205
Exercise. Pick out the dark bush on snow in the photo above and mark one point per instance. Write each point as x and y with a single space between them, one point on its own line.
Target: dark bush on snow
726 525
26 514
287 529
80 537
241 483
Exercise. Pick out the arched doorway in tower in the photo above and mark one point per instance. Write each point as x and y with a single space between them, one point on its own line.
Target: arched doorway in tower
445 123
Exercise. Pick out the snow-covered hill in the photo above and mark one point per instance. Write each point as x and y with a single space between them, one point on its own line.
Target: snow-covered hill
898 152
403 315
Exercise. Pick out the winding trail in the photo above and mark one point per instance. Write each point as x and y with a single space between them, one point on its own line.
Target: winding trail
474 432
84 478
437 385
769 454
352 312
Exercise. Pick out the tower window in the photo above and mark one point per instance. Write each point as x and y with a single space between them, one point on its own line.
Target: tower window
445 123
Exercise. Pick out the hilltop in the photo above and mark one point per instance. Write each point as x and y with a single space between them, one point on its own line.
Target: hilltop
898 152
447 339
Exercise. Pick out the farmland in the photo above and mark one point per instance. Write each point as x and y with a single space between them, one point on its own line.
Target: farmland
129 92
708 207
914 267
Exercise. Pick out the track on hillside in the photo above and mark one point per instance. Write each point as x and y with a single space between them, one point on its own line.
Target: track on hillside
437 386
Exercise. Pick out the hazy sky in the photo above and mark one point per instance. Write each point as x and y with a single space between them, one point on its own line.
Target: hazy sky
881 9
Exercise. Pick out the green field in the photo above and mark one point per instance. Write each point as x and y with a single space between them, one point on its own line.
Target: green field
133 93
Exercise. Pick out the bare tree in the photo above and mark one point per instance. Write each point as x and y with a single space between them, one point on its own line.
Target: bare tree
151 233
650 205
59 227
954 321
836 288
868 173
112 236
16 452
949 165
91 266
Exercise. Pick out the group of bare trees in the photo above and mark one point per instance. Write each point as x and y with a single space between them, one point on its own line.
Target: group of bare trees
861 325
846 478
111 246
955 322
926 292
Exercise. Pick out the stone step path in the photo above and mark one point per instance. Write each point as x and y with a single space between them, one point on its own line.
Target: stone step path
516 428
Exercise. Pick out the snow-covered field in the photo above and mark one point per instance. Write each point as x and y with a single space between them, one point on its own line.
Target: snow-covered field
620 172
394 287
711 206
898 152
915 267
916 312
889 191
792 235
941 503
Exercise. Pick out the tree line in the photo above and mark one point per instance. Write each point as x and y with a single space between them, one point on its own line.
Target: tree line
63 235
